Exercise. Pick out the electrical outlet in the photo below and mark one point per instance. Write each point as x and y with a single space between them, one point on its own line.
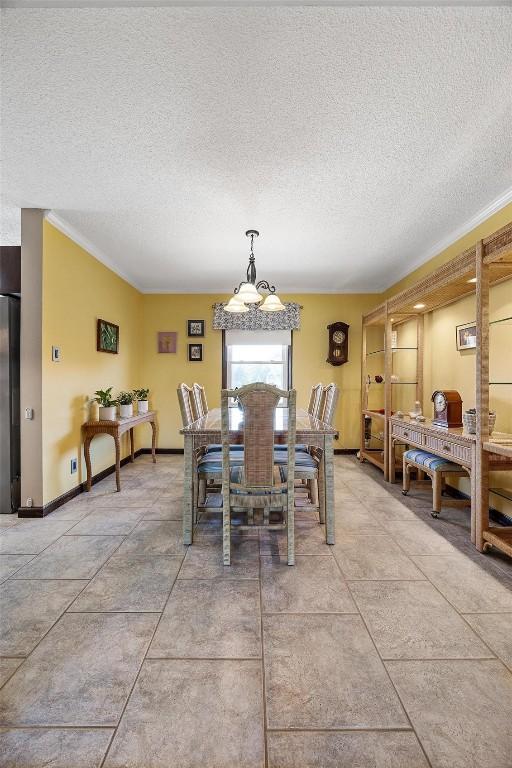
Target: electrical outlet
29 413
74 466
29 502
56 356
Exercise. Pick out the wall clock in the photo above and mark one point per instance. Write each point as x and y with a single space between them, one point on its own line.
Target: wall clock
447 408
338 343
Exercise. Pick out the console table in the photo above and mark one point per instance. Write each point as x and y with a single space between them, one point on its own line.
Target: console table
453 444
117 428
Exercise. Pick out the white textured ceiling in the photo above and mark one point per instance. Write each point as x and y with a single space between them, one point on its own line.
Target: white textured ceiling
355 139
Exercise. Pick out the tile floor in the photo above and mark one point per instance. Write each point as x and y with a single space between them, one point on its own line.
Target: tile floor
121 649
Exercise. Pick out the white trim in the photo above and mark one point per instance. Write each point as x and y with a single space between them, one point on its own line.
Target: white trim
456 234
86 244
249 3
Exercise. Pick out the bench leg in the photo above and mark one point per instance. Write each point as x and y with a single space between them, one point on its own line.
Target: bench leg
406 478
437 488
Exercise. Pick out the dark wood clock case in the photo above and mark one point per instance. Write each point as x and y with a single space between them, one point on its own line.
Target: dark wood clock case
338 343
450 416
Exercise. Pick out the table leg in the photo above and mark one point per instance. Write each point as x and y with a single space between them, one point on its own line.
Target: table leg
154 430
132 451
392 472
472 477
329 489
188 491
87 454
118 462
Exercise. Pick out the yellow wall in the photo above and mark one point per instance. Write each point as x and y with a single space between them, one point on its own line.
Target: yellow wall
163 372
77 289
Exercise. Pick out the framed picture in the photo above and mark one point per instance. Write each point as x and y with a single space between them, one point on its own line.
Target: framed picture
107 337
167 341
195 327
195 353
466 336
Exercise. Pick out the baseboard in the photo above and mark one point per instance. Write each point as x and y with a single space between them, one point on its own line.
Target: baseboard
73 492
163 450
495 515
345 451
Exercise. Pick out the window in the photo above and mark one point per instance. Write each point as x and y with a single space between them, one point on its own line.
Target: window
257 356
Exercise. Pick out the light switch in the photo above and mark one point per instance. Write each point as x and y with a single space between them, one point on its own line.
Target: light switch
56 357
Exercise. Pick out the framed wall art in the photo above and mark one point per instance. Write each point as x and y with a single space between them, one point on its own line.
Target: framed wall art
195 327
195 353
167 342
107 337
466 336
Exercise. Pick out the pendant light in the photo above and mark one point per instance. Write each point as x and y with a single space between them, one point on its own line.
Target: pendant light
248 290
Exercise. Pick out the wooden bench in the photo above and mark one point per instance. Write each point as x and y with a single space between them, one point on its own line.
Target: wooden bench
436 468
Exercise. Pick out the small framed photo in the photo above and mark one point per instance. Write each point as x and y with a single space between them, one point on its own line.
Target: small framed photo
107 337
466 336
195 353
167 341
195 327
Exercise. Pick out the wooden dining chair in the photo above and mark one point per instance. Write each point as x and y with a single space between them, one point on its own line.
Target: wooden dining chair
199 395
315 400
257 482
329 402
187 404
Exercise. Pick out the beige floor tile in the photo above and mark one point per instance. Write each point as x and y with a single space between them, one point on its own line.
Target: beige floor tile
153 537
81 673
30 537
313 585
165 510
496 630
322 671
192 713
392 749
7 668
309 540
206 563
373 557
411 620
417 538
71 557
55 747
9 564
28 609
8 520
355 518
459 709
130 583
108 522
210 619
468 583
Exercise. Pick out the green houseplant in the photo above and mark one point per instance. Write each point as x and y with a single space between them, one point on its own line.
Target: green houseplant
125 400
108 406
141 396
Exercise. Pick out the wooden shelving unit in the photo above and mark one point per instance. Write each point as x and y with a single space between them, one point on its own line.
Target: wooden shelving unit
487 263
381 323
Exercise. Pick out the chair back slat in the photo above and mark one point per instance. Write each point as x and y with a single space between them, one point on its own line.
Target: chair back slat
315 400
187 404
201 406
330 396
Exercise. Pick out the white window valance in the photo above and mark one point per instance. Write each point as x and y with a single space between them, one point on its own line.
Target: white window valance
256 320
250 338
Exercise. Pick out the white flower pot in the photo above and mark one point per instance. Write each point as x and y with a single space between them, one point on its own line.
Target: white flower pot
108 413
125 411
142 406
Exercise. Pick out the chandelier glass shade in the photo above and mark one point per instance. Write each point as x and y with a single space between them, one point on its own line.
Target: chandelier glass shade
248 291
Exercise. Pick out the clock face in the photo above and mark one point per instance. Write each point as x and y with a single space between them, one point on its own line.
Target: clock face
439 402
338 337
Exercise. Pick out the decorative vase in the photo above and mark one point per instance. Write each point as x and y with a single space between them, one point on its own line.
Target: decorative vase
107 413
469 419
125 411
142 406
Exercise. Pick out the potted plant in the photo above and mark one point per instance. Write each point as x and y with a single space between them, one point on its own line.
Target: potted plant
108 406
141 396
125 400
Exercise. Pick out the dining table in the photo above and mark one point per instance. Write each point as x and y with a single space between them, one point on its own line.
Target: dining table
309 431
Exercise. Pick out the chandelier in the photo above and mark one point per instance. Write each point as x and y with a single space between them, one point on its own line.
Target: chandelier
248 290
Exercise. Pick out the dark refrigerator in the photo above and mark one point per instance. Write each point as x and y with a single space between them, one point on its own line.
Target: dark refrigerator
9 404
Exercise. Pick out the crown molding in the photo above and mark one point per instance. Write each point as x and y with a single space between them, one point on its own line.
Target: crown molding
74 4
86 244
456 234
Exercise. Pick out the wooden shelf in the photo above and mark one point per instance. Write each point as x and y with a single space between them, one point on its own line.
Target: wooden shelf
501 538
371 456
